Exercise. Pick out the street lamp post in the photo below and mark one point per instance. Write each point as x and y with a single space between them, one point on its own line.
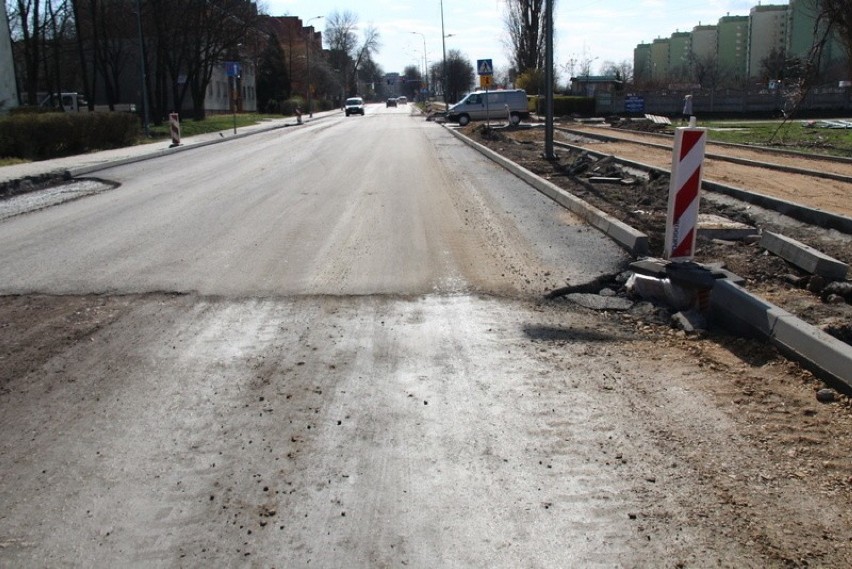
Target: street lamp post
443 56
308 62
142 71
425 64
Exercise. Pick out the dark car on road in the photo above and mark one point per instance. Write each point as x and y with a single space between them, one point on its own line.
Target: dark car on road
391 102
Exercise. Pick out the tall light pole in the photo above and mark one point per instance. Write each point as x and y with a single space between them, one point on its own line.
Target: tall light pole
444 86
142 71
308 61
548 83
443 56
425 64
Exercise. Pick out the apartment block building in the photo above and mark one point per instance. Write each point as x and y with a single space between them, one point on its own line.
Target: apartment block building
732 47
767 32
680 55
742 48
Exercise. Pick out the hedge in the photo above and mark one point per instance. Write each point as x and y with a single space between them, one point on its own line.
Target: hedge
50 135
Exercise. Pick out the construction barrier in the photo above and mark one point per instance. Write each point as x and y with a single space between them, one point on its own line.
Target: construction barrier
684 193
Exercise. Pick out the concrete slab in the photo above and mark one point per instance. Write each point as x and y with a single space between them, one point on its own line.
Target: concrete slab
748 315
803 256
718 227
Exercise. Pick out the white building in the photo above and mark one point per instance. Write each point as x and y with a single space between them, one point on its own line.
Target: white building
8 88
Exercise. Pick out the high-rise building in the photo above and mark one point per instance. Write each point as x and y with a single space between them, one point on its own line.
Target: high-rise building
642 63
680 60
758 46
767 37
705 43
733 46
660 59
801 31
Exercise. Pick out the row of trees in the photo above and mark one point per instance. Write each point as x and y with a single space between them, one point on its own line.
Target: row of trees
94 44
96 47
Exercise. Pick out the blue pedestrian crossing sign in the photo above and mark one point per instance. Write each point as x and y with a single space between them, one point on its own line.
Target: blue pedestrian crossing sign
484 67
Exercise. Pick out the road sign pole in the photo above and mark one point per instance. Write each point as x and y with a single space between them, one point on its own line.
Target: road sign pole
485 70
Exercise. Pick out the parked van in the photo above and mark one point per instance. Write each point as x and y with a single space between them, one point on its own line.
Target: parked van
501 104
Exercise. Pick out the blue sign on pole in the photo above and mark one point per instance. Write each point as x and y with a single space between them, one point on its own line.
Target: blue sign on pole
232 68
634 104
484 67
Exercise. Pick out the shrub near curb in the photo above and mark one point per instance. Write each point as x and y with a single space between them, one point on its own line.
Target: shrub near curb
50 135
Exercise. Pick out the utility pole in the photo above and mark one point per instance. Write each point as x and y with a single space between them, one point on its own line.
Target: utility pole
443 56
548 83
425 64
142 71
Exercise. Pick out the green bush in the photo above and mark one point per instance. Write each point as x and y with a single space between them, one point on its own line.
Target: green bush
49 135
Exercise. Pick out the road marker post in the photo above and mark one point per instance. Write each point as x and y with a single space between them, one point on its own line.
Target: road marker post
174 128
684 192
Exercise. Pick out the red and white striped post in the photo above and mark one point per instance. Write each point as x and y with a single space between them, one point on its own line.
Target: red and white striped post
684 193
174 127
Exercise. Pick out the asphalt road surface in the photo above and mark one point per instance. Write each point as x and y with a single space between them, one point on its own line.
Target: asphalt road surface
326 346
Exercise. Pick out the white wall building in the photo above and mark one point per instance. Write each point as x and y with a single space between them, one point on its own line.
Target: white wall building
8 88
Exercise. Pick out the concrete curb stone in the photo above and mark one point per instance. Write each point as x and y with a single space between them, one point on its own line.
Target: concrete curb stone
630 239
730 304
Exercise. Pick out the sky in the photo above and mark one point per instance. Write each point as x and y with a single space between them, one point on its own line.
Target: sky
593 31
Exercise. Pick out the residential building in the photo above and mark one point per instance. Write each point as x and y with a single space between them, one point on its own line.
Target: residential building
705 42
8 87
642 63
302 46
733 46
680 50
767 39
801 23
660 59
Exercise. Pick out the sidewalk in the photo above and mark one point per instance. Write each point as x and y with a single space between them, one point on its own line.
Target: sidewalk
86 163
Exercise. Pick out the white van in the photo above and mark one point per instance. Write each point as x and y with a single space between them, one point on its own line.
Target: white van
501 104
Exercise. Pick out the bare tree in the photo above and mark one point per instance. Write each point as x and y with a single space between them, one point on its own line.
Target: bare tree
525 26
28 25
346 51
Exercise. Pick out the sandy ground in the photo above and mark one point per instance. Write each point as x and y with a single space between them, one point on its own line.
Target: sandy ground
830 195
644 206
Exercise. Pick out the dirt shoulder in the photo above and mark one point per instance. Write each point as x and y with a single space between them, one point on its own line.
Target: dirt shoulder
643 205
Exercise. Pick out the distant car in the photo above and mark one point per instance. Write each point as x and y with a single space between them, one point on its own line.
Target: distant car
402 101
391 102
354 106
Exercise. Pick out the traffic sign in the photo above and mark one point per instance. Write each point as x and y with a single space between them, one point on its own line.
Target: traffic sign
634 104
484 67
485 81
232 68
684 193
